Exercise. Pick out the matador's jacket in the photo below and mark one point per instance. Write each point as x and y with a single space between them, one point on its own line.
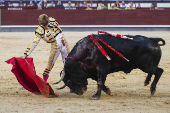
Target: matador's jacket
54 36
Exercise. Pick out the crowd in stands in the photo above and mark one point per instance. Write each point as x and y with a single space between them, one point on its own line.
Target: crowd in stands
42 4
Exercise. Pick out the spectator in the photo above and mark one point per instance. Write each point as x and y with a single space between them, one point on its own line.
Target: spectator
59 4
80 5
2 4
117 4
92 5
35 1
39 7
9 4
138 6
152 7
101 7
130 7
131 3
77 4
45 3
123 5
20 3
84 4
69 4
31 4
40 2
88 7
113 8
52 4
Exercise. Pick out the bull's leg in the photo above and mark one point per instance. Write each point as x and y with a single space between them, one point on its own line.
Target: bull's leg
99 84
99 88
158 74
148 79
106 90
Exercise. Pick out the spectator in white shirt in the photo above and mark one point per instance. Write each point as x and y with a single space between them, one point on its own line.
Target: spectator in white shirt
138 6
52 4
1 4
131 4
92 4
45 3
123 5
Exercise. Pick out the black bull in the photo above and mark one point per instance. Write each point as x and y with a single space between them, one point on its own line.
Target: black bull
86 61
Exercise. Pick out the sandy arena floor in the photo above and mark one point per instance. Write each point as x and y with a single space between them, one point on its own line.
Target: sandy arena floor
128 91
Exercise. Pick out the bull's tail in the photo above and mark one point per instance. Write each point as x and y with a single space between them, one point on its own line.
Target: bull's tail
157 40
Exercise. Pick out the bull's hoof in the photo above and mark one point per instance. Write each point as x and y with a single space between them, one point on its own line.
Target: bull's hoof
95 97
146 83
108 91
153 90
152 93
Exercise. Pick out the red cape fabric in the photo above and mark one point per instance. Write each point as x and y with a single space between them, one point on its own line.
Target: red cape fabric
25 73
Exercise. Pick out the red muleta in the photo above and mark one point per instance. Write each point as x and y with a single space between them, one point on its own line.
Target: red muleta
25 73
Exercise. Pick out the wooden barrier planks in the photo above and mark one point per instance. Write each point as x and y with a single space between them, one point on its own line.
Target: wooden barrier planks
83 17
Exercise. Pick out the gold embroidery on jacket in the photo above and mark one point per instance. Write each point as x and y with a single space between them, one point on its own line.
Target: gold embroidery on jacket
50 37
56 28
38 33
40 30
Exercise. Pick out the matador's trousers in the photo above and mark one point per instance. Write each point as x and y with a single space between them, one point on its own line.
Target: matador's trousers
60 46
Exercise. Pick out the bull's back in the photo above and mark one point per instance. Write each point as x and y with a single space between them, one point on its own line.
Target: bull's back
134 50
139 51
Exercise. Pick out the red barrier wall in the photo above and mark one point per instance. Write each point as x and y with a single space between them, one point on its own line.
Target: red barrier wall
83 17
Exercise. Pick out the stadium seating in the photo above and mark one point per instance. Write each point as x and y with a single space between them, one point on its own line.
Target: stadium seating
108 3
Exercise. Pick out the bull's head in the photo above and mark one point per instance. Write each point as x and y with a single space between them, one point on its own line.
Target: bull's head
77 85
74 76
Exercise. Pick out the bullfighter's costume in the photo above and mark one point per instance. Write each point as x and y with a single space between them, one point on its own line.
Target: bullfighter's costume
54 36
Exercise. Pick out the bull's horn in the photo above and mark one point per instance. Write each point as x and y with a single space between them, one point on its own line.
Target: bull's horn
62 74
61 87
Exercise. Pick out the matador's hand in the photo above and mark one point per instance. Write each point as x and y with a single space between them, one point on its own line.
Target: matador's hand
24 56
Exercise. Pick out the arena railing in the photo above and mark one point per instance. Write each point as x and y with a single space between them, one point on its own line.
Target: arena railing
96 0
